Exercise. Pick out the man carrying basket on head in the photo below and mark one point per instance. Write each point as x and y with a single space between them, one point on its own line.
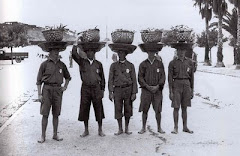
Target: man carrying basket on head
92 90
151 77
122 86
51 74
181 83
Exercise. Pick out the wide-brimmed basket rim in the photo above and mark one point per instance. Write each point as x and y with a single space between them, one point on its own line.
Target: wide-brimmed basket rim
62 45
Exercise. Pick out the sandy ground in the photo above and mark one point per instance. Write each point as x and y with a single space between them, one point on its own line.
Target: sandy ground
213 116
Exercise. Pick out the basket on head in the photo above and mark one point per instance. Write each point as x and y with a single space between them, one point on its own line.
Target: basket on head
53 35
183 36
122 36
91 35
91 46
53 45
119 47
151 47
181 45
151 36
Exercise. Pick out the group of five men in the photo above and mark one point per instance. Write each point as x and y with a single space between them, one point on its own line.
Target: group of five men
122 86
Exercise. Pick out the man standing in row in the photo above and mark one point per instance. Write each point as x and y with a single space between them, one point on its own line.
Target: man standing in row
51 74
92 90
122 85
151 77
181 83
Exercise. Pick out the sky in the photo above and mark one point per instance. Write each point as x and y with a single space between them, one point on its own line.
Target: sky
80 15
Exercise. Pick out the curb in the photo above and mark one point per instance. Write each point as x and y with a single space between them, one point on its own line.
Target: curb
8 122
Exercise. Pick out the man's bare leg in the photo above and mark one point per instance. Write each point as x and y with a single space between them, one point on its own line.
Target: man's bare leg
158 119
120 129
144 121
86 132
127 119
44 127
55 128
100 132
175 117
184 117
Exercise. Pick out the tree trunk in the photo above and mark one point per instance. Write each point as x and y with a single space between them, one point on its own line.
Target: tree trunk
206 58
238 40
238 27
220 44
12 55
210 52
235 55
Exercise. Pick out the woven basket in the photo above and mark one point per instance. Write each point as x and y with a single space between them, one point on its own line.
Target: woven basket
183 36
53 35
121 36
91 35
151 36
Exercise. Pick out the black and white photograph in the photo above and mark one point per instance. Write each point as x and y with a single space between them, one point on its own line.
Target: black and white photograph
119 77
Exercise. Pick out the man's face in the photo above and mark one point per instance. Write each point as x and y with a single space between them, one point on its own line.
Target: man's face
90 55
122 55
151 54
181 53
54 53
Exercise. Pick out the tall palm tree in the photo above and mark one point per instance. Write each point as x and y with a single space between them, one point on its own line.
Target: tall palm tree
205 10
230 21
237 6
220 9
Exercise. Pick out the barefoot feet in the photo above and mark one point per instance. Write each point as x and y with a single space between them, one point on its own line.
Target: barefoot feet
187 130
85 133
143 130
161 131
127 131
100 133
42 140
119 132
175 131
57 138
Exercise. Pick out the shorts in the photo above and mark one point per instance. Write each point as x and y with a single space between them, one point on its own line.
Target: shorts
91 94
147 98
122 99
181 94
52 97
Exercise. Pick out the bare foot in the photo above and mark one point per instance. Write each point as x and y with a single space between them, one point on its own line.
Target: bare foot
161 131
85 133
187 131
175 131
142 131
127 132
42 140
101 134
57 138
119 132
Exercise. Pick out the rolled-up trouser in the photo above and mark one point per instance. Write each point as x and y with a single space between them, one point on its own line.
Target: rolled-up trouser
147 98
91 94
122 99
181 93
52 97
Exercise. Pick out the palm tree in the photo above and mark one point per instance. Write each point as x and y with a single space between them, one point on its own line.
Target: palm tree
220 9
230 25
205 10
237 6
